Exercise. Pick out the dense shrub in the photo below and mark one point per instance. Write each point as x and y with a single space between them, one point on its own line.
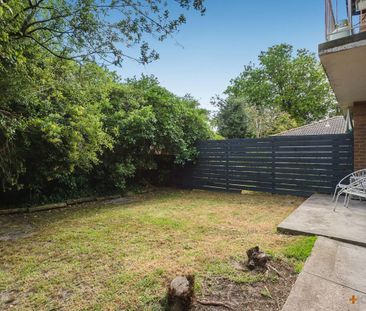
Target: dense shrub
68 129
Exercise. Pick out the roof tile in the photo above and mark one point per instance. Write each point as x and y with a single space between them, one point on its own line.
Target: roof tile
335 125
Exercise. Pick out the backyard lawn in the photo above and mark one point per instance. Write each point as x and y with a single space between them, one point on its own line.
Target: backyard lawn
122 257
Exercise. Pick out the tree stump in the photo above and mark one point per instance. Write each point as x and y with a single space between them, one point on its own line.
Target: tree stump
181 293
257 258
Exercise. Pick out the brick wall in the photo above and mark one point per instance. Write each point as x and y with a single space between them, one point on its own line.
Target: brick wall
359 118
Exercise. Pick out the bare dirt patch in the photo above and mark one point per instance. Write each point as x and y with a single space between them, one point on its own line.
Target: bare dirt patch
14 227
269 294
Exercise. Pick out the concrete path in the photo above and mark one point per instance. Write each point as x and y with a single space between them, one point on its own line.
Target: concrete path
315 216
333 278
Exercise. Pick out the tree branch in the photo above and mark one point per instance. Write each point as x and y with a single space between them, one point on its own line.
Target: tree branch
48 49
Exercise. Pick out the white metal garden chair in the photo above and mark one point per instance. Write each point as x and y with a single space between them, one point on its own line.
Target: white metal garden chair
357 188
350 177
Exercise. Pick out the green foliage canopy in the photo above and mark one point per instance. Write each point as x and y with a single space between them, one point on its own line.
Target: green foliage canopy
68 125
103 30
66 121
284 90
146 121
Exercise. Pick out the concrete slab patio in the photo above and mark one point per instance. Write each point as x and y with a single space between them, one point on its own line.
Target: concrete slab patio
316 217
333 278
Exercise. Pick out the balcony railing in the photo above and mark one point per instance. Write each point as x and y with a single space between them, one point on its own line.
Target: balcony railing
341 18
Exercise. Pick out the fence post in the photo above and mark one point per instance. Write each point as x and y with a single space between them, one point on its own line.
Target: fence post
336 163
227 164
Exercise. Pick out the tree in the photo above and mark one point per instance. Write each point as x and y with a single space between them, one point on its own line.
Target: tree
147 121
51 123
67 129
232 120
71 125
236 118
266 121
288 90
81 30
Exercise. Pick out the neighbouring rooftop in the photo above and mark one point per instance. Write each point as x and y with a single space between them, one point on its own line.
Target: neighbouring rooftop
335 125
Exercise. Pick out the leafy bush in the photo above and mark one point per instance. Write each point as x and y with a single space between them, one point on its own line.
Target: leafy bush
69 129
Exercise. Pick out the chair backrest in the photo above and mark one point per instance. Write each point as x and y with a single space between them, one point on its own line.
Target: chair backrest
359 183
359 173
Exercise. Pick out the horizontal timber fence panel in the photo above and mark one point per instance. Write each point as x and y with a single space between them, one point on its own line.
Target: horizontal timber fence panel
298 165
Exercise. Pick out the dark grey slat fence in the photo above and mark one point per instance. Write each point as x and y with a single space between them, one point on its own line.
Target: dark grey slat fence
298 165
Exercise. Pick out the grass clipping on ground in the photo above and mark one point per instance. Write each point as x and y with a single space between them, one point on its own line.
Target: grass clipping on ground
122 257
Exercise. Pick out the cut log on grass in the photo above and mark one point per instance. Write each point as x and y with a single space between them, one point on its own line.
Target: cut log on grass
47 207
181 293
257 258
216 304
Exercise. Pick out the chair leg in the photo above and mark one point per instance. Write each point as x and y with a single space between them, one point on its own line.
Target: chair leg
349 199
336 201
335 193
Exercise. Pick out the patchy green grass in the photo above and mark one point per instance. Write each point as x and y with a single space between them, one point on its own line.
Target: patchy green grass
299 251
122 257
226 270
